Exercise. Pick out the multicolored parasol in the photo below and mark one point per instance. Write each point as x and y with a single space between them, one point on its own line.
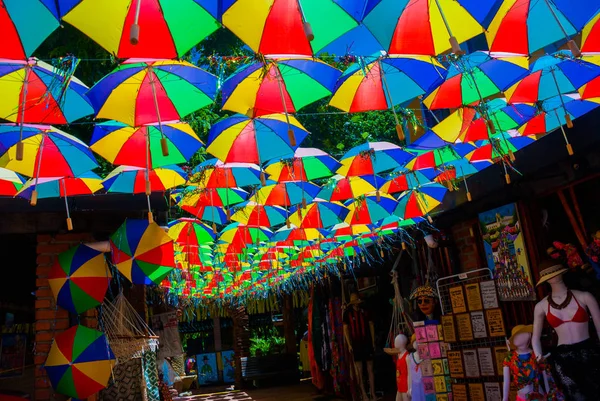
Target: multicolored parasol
80 362
142 251
257 215
144 28
10 182
420 201
213 173
191 235
370 209
307 164
339 188
319 214
79 279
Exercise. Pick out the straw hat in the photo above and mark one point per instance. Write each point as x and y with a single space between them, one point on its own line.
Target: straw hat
424 291
354 299
521 328
550 269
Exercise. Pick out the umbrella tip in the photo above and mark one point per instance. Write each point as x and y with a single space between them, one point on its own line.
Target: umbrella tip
134 34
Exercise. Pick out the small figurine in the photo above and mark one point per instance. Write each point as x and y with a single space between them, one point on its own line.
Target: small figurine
403 373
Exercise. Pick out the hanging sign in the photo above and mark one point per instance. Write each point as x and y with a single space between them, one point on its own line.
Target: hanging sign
478 323
500 354
489 297
463 323
486 362
476 392
495 323
492 392
449 329
459 392
471 363
455 363
473 296
438 367
457 299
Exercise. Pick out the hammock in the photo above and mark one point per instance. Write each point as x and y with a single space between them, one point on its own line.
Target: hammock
401 322
128 334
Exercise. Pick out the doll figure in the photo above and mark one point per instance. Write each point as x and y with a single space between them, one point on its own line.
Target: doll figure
426 298
403 373
521 367
575 359
414 365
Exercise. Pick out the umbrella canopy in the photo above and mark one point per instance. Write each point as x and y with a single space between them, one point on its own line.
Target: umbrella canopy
402 181
124 145
299 27
60 187
144 92
132 180
381 83
213 173
286 193
282 85
47 151
524 26
34 93
211 204
295 236
498 148
590 36
254 140
307 164
318 215
421 27
10 182
257 215
551 76
242 235
370 209
552 114
420 201
439 156
24 25
340 188
80 362
79 279
142 251
372 158
476 76
191 235
145 28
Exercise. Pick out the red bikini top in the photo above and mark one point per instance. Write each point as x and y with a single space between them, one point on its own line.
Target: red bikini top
581 316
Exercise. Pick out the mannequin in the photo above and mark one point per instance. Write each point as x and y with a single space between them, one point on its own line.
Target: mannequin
360 339
575 359
417 390
521 366
403 371
426 298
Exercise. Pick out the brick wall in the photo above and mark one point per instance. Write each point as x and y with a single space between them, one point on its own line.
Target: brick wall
50 320
466 237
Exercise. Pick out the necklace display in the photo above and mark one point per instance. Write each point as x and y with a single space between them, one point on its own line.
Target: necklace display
563 304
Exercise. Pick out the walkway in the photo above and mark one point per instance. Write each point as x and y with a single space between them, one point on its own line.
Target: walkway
298 392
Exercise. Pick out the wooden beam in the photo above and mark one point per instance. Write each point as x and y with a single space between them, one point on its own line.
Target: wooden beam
578 232
288 324
577 209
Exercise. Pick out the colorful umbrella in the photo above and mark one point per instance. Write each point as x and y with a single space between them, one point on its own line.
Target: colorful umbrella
132 180
524 26
144 28
429 27
497 148
439 156
318 214
404 180
370 209
420 201
10 182
372 158
24 25
286 194
62 187
340 188
191 235
211 203
47 152
296 236
254 140
551 76
80 362
142 146
590 36
307 164
34 92
242 235
476 76
213 173
79 279
481 120
257 215
142 251
145 92
380 83
299 27
282 85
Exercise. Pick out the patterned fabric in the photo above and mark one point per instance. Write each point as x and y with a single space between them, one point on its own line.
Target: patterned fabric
524 370
335 368
151 376
577 370
127 385
178 365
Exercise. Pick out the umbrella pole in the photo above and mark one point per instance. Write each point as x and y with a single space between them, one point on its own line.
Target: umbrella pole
227 210
570 42
212 212
163 141
310 36
69 221
453 41
469 198
399 129
148 186
562 129
562 102
20 146
134 32
291 136
34 194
